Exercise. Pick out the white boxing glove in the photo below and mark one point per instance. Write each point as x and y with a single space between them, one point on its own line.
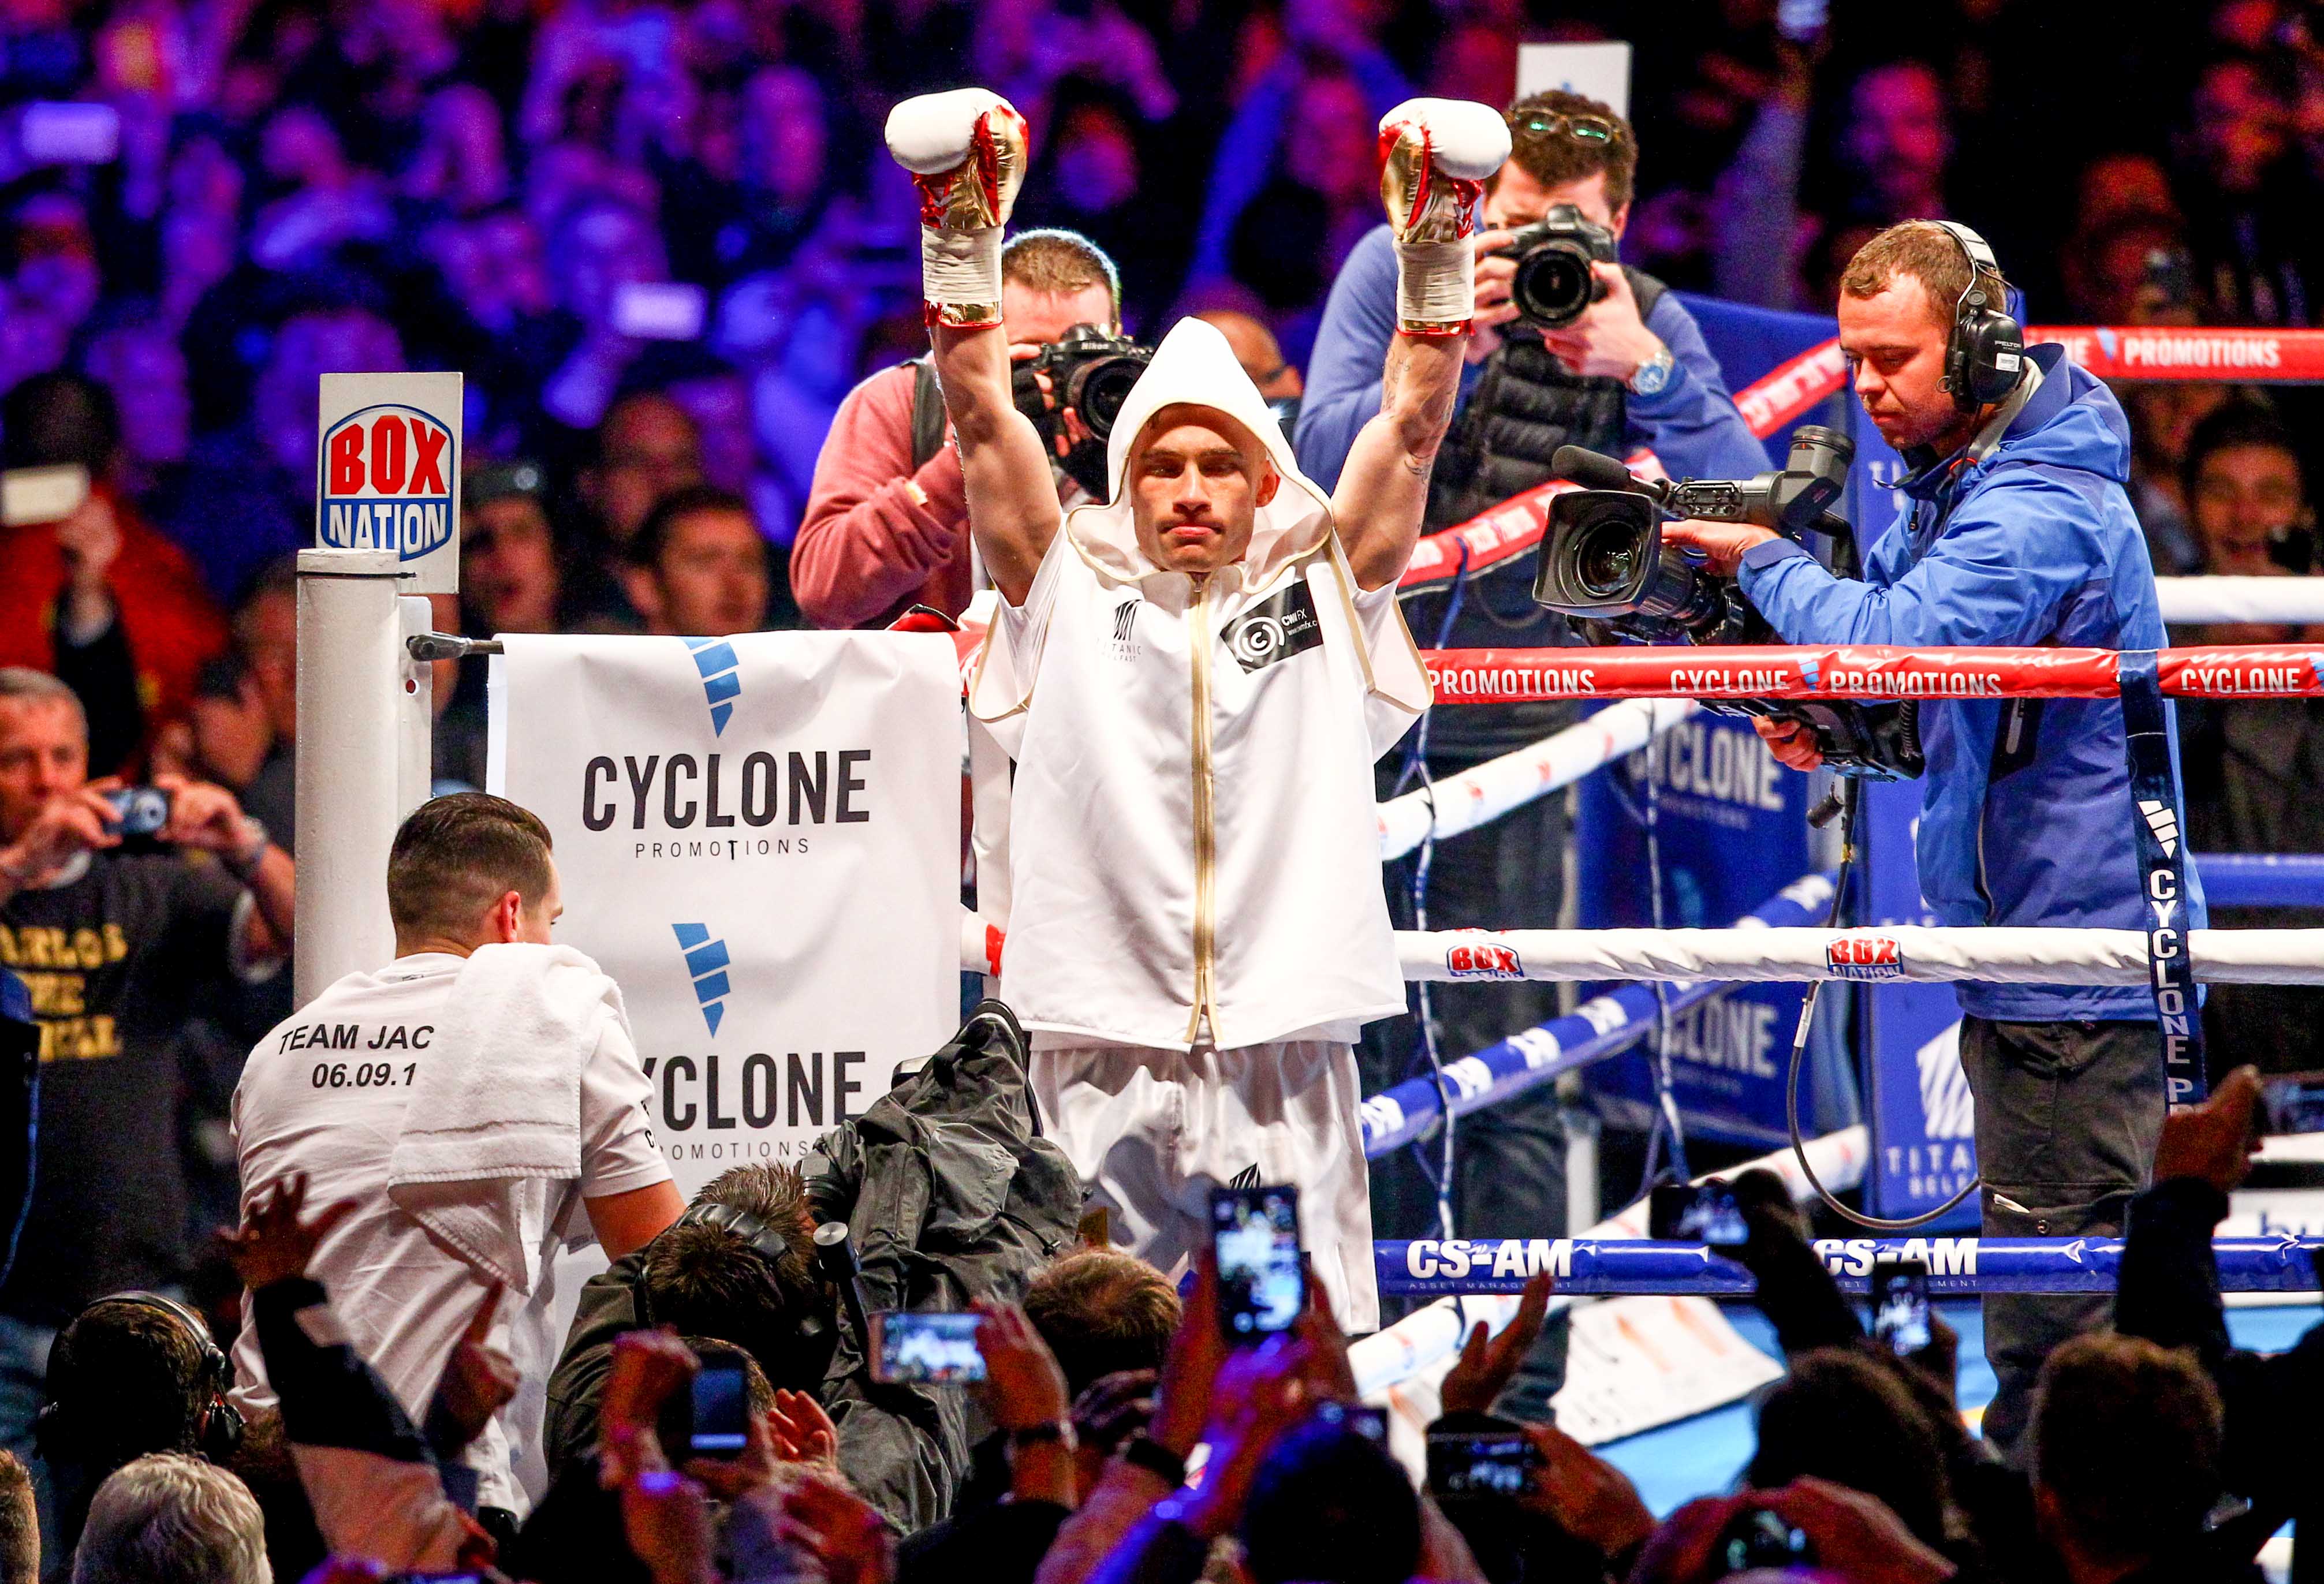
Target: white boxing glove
965 150
1435 156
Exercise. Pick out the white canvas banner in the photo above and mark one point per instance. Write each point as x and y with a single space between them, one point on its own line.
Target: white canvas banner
759 838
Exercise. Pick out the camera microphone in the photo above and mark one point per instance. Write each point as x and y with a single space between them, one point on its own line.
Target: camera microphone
834 1259
1593 470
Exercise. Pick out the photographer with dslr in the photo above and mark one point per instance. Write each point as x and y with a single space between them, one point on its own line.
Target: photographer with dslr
2018 531
887 518
117 905
1568 348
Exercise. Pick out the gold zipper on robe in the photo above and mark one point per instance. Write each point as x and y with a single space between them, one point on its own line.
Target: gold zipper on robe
1207 853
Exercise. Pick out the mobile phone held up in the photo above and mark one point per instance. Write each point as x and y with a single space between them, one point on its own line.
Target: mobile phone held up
1262 1285
29 496
722 1406
1479 1465
710 1418
2292 1102
1690 1213
1900 1304
925 1348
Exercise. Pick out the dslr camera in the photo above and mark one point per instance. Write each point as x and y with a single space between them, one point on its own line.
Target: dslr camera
1554 284
1090 371
1603 565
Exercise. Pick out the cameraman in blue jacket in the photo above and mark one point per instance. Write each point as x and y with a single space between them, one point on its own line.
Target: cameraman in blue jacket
2019 533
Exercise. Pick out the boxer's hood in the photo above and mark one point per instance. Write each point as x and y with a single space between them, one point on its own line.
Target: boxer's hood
1194 367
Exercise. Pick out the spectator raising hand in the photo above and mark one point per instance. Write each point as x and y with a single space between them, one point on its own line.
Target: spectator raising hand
1585 1496
478 1381
1487 1361
802 1432
1024 1393
839 1530
272 1245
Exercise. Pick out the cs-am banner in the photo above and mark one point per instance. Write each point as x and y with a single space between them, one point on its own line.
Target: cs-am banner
759 838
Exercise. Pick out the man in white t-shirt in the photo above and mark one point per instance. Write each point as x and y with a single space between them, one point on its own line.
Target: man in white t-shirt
338 1092
1205 668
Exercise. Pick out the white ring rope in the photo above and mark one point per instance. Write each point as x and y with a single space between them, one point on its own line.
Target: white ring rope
2286 600
1915 953
1920 953
1485 792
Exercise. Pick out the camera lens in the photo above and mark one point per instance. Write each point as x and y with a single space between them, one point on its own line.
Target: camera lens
1552 284
1100 390
1606 560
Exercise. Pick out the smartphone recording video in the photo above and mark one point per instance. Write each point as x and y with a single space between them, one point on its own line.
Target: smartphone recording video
2293 1103
29 496
1686 1213
661 311
1368 1422
722 1406
69 131
1900 1304
921 1348
1465 1467
1262 1285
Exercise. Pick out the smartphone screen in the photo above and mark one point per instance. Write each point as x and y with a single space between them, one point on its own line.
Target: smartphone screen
925 1349
1370 1422
661 311
1466 1466
1900 1304
33 495
1262 1285
70 133
1685 1212
1801 20
722 1406
2293 1103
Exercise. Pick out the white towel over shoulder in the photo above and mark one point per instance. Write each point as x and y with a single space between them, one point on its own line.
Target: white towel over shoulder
496 1117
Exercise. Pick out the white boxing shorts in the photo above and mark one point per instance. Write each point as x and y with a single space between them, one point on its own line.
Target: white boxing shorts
1152 1131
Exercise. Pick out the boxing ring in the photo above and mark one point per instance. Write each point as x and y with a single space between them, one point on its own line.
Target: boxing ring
1655 690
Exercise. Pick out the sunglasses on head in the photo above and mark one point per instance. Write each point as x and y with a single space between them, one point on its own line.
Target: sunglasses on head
1583 128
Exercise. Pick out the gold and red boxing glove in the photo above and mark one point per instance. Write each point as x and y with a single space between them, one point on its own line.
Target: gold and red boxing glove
965 150
1436 157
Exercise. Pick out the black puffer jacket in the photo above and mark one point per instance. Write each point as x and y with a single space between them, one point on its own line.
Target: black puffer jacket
950 1193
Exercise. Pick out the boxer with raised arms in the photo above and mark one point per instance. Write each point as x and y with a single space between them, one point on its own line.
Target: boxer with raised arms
1195 677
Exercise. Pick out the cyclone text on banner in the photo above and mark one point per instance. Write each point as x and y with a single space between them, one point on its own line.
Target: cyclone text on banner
759 838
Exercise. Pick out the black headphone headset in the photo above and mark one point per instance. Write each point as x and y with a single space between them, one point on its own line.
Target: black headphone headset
1986 353
55 1431
761 1240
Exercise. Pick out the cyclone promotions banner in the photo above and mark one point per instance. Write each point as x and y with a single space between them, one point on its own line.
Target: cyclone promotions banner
759 838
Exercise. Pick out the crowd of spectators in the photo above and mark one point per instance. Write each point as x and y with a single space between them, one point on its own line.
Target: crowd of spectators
2158 1452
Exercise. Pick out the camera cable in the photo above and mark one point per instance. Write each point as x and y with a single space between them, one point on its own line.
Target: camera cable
1850 829
1666 1121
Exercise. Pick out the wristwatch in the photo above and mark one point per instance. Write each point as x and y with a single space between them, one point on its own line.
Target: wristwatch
1057 1431
1145 1453
1653 377
254 842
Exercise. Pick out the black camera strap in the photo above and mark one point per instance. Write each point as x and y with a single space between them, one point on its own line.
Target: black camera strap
2162 874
